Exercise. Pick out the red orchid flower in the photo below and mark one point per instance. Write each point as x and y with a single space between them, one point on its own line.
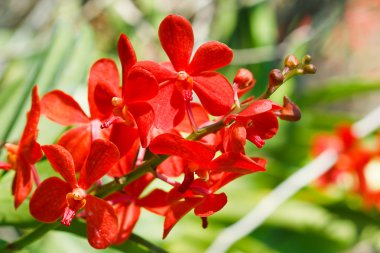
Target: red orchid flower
138 87
178 79
103 84
55 198
25 154
256 123
191 157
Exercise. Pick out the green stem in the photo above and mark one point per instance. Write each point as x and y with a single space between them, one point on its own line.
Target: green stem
28 238
152 248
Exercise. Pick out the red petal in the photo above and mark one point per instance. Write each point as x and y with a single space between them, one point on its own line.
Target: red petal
102 223
141 85
156 202
211 204
160 71
144 117
171 144
214 92
235 138
127 217
62 161
5 166
28 147
77 141
49 200
172 167
168 106
264 125
23 181
257 107
237 163
177 39
123 136
103 155
126 163
62 108
211 55
200 116
103 85
176 212
127 55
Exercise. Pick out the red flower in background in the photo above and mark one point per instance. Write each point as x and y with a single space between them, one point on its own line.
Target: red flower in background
178 79
55 198
25 154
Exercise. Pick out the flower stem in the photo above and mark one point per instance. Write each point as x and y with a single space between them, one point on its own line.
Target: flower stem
29 238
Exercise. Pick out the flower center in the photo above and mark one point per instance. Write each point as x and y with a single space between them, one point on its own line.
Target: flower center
76 200
184 84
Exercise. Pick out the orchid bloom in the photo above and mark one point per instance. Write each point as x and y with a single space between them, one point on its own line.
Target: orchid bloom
25 154
178 80
55 198
103 83
138 87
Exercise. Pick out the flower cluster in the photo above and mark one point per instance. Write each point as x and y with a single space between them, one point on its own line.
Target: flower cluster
356 169
152 123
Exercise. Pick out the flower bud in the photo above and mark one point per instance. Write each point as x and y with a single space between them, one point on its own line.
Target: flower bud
291 61
306 59
290 111
276 78
244 78
309 69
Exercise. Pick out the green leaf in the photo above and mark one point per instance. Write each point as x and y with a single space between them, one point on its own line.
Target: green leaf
336 90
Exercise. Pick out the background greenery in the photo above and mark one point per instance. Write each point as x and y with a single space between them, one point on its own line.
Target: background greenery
53 43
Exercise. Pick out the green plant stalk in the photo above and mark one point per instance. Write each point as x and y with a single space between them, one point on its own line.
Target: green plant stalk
28 238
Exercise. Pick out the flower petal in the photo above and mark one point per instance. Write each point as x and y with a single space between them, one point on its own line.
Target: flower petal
102 224
103 155
62 108
156 202
62 161
257 107
23 181
126 163
177 39
5 166
171 144
237 163
200 116
141 85
123 136
28 146
103 85
127 218
211 204
210 56
127 55
264 125
144 116
77 141
168 106
48 202
235 138
214 92
177 211
161 71
172 167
